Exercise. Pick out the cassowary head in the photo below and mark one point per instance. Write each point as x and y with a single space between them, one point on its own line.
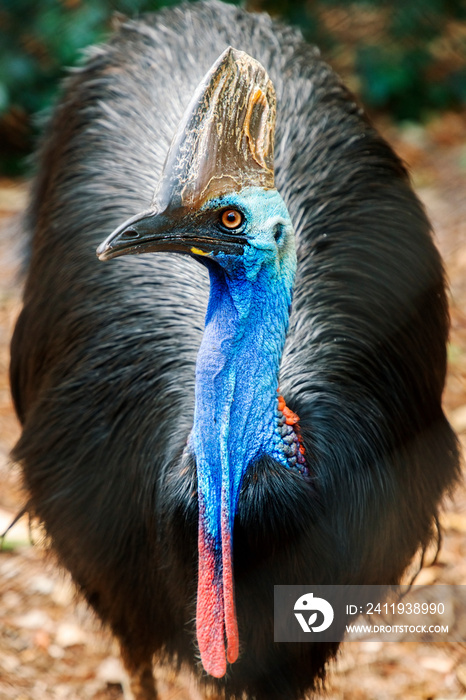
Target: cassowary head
216 201
216 197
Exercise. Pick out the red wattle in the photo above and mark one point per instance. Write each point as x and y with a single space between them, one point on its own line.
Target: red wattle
210 611
231 624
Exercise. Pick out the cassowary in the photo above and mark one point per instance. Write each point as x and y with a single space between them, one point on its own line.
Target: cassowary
259 401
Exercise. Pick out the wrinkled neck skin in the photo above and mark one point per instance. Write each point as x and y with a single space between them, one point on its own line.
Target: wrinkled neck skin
237 375
235 418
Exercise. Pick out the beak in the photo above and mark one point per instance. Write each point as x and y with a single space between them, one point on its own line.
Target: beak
153 232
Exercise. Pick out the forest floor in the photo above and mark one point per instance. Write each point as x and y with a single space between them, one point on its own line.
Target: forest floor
51 647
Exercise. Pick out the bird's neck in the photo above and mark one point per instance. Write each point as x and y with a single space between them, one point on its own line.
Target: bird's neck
235 422
237 373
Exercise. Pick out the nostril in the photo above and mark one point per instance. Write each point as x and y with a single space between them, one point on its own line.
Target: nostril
130 233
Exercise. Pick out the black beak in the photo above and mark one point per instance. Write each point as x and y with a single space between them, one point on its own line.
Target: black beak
153 232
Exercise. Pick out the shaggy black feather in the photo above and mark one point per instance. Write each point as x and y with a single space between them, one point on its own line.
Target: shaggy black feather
103 355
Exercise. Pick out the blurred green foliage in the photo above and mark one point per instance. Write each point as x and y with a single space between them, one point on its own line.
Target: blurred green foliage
402 56
418 63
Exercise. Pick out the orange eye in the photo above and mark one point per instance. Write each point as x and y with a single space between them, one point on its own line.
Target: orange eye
231 218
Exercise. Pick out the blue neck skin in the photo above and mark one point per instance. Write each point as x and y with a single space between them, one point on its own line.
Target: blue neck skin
235 418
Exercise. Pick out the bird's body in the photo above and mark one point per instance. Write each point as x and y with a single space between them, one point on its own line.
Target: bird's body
116 417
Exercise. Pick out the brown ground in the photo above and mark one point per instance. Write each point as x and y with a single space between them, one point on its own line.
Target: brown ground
51 647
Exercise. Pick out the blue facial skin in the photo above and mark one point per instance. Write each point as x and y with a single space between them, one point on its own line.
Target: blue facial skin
235 418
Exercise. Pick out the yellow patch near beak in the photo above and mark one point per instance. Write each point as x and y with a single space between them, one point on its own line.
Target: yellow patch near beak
197 251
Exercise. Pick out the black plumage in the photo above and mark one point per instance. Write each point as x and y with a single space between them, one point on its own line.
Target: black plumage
103 355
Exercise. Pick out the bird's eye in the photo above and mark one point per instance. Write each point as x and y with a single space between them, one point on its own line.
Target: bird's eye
231 218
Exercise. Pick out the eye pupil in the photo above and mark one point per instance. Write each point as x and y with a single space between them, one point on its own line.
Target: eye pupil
231 218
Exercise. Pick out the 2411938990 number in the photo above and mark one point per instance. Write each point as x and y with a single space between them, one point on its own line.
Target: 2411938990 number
405 608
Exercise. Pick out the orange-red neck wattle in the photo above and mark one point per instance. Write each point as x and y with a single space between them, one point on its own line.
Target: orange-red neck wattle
290 417
216 615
